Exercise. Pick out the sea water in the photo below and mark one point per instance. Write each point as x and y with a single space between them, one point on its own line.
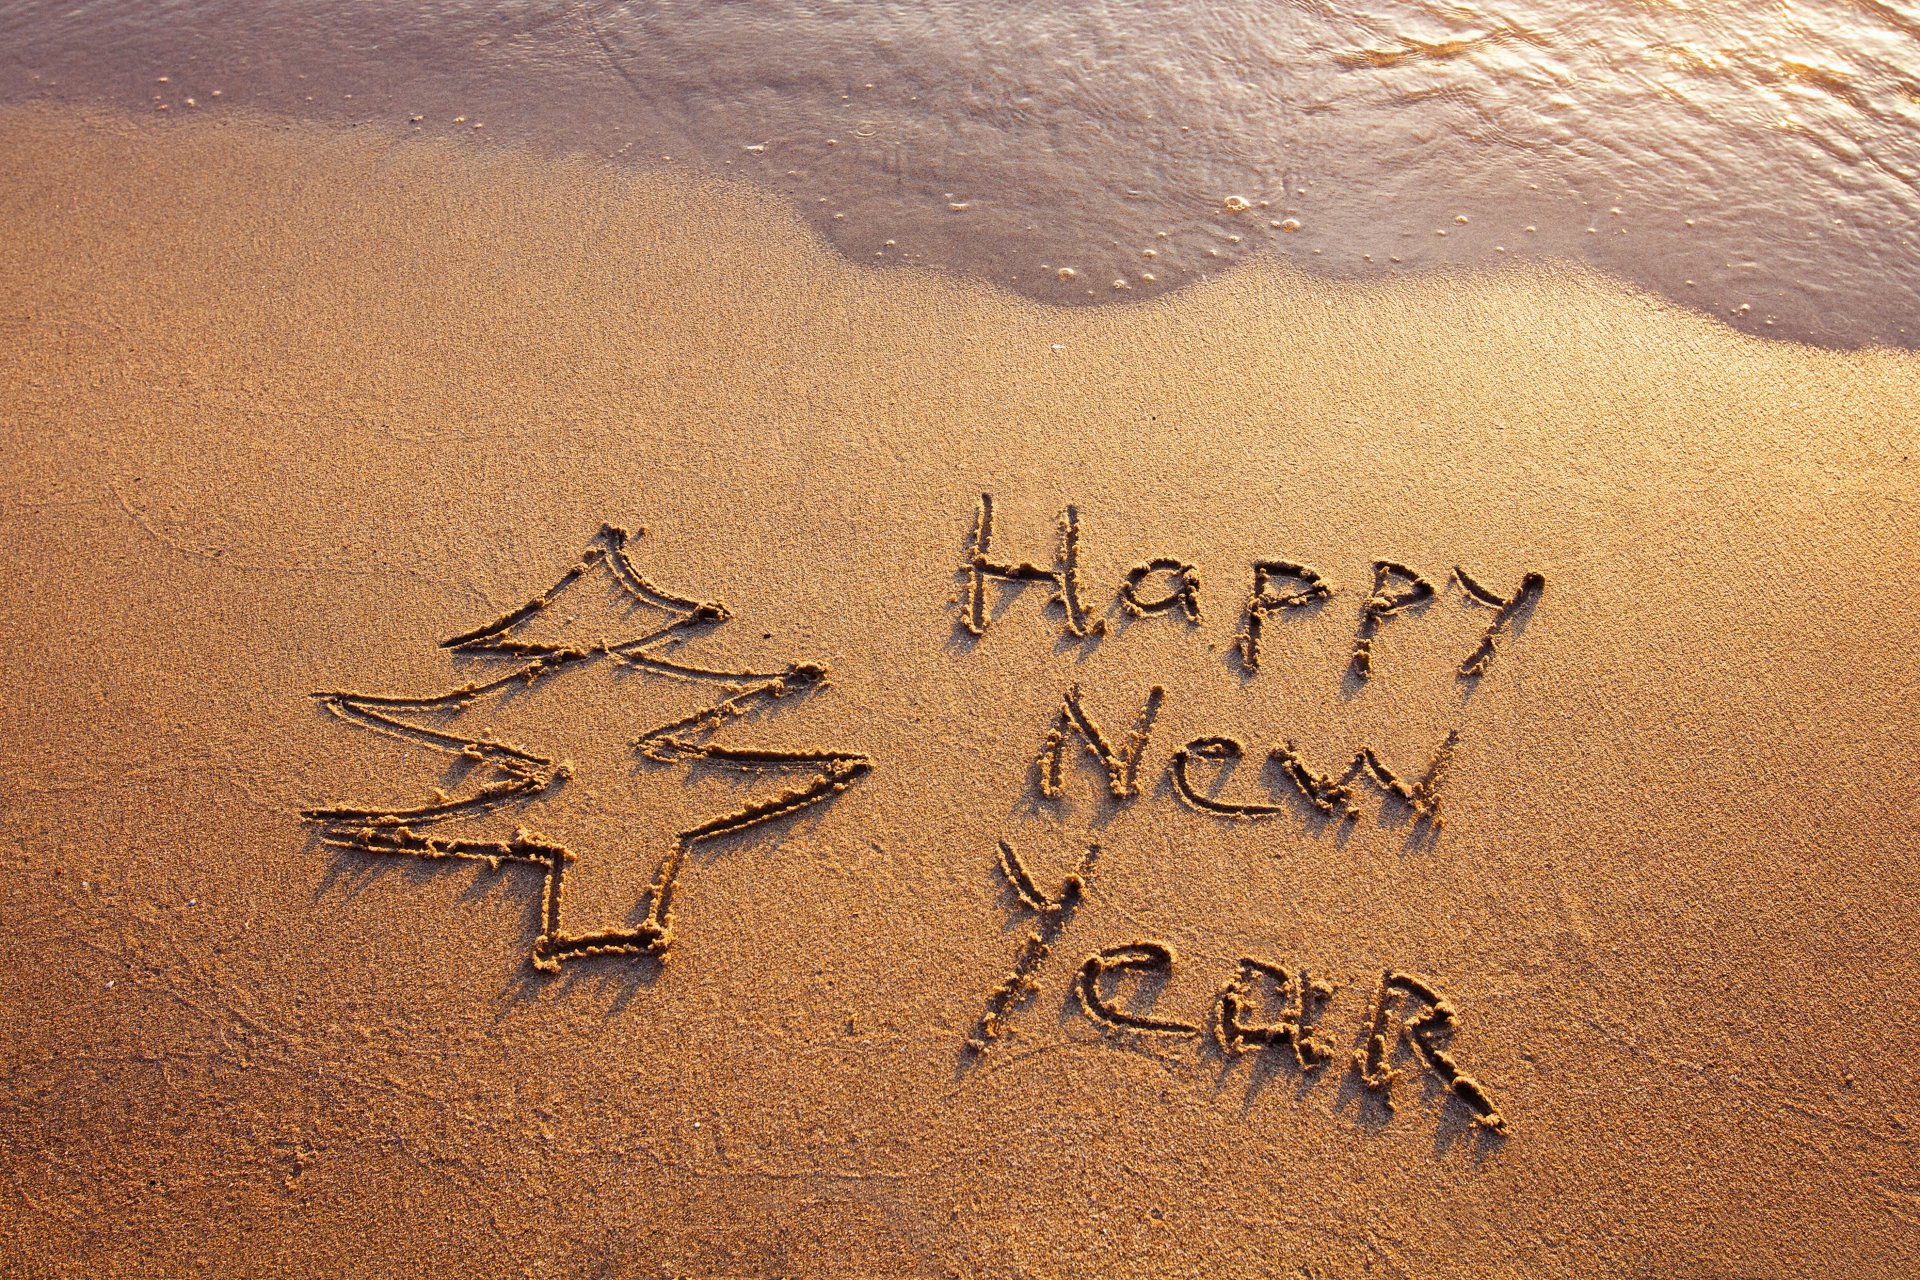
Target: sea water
1758 161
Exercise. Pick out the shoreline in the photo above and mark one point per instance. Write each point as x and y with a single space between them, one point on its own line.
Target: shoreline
1411 285
1078 185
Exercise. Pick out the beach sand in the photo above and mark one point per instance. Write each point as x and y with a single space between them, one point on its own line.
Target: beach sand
286 408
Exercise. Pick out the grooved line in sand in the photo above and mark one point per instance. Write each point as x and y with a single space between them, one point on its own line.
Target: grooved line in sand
1263 600
1382 604
1301 1002
1135 957
1505 608
1122 765
1237 1030
1018 987
1331 795
979 566
1183 589
1424 1034
521 774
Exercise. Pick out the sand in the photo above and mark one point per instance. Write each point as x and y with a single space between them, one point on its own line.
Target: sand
286 409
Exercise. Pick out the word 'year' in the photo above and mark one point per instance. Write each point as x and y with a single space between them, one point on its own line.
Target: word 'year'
1263 1006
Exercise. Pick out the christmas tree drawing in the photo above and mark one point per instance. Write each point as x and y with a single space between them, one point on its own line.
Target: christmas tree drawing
500 777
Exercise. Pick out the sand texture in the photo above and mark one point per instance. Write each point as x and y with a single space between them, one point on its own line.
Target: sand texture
631 936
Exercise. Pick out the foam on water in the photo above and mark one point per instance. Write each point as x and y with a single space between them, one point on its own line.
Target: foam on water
1757 161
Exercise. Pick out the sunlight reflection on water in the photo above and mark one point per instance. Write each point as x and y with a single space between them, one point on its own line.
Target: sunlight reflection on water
1759 161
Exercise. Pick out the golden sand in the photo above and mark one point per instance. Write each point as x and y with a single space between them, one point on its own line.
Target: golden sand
1610 970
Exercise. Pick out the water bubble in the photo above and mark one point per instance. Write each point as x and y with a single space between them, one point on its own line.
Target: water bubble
1236 204
1290 224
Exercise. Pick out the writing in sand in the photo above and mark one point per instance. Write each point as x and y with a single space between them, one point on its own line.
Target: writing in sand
1260 1006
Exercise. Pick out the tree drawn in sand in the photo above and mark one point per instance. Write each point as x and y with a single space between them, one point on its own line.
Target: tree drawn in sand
504 776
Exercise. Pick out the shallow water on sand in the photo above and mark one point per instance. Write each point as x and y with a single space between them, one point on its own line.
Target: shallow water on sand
1757 161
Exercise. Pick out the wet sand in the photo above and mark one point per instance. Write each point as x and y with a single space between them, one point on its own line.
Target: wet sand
1758 163
288 408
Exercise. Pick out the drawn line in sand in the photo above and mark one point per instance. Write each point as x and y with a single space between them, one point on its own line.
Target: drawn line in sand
1263 600
1278 587
1226 752
1424 1034
520 774
1145 958
979 566
1382 604
1262 1007
1018 987
1333 796
1183 589
1299 1004
1505 608
1122 765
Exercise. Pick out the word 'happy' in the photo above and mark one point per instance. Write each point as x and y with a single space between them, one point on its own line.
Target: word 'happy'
1171 586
